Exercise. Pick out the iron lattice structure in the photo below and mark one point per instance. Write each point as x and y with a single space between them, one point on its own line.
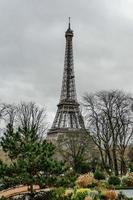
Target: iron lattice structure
68 115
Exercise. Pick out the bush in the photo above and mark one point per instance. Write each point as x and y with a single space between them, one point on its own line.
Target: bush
83 168
94 194
101 185
111 194
85 180
68 192
59 193
127 181
114 180
80 194
131 167
88 198
99 175
66 181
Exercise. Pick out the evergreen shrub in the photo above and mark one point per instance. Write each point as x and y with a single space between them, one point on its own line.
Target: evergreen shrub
99 175
66 181
114 180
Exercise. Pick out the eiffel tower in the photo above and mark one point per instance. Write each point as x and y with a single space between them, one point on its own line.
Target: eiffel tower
68 116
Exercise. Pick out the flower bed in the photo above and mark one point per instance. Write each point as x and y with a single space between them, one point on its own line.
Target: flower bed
87 187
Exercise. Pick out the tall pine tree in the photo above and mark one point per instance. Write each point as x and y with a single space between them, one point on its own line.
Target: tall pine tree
32 158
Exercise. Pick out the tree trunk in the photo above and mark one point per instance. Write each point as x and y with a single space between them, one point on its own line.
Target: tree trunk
103 161
31 191
123 166
110 162
115 161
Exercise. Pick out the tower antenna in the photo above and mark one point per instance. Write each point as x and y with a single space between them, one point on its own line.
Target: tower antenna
69 22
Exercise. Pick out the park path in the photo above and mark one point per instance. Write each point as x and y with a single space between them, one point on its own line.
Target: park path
17 190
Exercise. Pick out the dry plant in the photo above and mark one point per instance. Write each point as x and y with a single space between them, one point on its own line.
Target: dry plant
85 180
111 194
88 198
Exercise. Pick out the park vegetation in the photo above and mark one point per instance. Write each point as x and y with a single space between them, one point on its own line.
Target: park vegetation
31 156
91 163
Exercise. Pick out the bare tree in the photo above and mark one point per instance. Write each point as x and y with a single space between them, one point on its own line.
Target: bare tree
109 118
124 127
25 123
30 116
76 148
27 116
2 116
10 113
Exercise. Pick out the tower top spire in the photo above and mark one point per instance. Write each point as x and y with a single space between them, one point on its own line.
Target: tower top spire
69 26
69 31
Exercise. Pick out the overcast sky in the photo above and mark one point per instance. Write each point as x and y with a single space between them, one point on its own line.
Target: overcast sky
32 46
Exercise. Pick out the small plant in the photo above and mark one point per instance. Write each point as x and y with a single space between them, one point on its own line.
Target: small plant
94 194
99 175
127 181
101 185
130 174
68 192
59 193
66 181
80 194
111 194
114 180
88 198
85 180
